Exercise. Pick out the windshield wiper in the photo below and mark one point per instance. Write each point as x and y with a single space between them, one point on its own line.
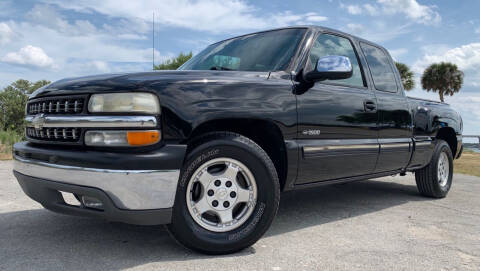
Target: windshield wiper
219 68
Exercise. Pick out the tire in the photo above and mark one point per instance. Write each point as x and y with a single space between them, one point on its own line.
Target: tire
191 230
430 182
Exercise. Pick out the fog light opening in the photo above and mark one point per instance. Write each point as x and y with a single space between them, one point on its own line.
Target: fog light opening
91 202
70 199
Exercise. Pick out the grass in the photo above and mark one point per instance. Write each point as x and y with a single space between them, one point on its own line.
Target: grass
468 164
7 139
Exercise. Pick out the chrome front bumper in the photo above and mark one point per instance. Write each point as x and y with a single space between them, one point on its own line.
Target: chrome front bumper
128 189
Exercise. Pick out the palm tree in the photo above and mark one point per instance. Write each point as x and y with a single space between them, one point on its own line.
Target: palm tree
444 78
406 75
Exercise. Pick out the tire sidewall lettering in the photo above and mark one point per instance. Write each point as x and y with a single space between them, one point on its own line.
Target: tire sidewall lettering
255 218
194 165
231 145
245 231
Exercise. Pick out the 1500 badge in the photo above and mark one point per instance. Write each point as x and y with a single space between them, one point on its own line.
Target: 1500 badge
311 132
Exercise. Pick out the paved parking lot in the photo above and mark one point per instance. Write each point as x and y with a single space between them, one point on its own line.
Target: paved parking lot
369 225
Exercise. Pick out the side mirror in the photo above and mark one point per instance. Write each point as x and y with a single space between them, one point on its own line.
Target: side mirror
331 68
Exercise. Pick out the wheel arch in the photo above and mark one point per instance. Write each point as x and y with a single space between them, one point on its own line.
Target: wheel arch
265 133
448 134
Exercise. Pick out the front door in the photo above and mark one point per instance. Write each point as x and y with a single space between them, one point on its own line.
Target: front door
337 120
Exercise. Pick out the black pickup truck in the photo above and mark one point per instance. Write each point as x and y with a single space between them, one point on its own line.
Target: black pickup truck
208 148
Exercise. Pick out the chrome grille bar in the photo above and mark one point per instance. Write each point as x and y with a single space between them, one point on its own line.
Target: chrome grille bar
59 134
74 121
58 105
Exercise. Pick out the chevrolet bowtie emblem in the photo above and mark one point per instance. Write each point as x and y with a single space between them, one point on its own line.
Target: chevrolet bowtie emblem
38 121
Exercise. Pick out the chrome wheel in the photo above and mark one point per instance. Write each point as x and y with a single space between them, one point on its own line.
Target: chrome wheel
221 194
443 169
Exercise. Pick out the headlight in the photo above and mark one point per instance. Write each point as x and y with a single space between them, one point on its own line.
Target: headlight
121 138
124 102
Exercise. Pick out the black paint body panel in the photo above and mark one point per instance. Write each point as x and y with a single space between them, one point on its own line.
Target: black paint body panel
351 141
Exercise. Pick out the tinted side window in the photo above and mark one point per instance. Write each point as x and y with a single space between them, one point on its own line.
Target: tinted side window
380 67
326 45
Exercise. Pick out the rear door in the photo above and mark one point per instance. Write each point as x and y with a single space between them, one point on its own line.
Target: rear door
336 119
394 115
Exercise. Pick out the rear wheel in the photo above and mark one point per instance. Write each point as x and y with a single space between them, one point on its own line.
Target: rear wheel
227 196
435 179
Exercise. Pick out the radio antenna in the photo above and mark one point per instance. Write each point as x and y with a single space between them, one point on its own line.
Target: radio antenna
153 41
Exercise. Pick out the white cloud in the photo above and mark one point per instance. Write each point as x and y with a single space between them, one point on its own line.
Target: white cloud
352 9
6 34
6 8
82 46
316 18
203 15
412 9
288 18
81 41
48 16
101 66
435 49
355 29
29 56
74 55
377 31
396 53
370 9
131 37
466 57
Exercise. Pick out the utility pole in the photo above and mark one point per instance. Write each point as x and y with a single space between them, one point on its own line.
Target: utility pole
153 41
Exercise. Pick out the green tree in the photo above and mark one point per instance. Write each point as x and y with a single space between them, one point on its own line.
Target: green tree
407 76
444 78
13 99
12 108
28 87
38 85
174 63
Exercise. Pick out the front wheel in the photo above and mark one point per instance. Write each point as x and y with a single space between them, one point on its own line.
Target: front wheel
435 179
227 197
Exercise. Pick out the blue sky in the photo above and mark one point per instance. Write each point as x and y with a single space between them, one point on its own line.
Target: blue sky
53 39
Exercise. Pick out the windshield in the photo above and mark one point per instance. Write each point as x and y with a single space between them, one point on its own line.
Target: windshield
266 51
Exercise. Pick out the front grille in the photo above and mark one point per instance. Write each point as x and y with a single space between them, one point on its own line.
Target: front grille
56 105
54 134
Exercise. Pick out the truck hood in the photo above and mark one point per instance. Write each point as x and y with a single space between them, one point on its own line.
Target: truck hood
141 81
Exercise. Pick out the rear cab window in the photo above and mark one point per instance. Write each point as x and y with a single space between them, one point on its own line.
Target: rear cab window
380 68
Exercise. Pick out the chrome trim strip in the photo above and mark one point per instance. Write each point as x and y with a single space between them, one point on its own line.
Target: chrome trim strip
394 145
394 140
339 148
74 121
129 189
423 143
422 138
325 146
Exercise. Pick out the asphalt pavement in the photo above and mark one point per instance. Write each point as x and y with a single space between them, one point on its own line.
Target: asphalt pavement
381 224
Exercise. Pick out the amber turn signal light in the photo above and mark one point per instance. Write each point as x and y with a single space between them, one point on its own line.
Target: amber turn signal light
142 138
